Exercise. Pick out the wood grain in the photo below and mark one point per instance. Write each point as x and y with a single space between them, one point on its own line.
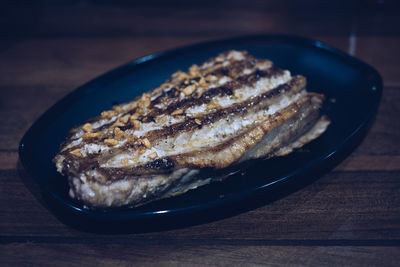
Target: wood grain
187 254
348 216
340 205
379 52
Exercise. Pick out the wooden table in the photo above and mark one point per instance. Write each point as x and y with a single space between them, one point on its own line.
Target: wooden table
349 216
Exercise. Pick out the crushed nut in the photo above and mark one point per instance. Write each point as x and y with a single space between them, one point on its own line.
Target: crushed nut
152 155
189 89
146 143
140 111
164 119
197 121
219 59
76 152
87 136
203 83
117 109
238 96
144 101
142 150
211 78
177 112
117 124
124 119
110 142
194 70
213 105
134 116
180 76
108 114
118 133
125 161
132 106
87 127
136 124
132 138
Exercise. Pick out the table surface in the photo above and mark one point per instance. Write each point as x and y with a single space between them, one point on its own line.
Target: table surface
349 216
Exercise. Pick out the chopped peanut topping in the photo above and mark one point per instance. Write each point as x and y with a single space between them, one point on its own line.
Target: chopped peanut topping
197 121
142 150
189 89
132 138
211 78
117 124
118 133
136 124
134 116
180 76
144 101
152 155
203 83
140 111
213 105
194 70
110 142
87 136
117 109
87 127
219 59
146 143
164 119
177 112
124 119
125 161
108 114
238 95
76 152
132 106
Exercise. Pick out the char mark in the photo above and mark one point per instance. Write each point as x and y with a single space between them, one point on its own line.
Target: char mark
297 83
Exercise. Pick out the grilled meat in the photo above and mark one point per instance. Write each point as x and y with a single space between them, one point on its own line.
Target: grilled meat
231 109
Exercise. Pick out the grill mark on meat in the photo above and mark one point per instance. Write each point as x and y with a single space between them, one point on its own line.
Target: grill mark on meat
224 90
274 120
296 84
166 164
207 96
233 70
227 89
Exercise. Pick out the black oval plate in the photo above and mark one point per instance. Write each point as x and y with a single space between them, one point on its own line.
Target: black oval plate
353 91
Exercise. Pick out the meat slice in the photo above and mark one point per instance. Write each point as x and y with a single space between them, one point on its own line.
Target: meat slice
231 109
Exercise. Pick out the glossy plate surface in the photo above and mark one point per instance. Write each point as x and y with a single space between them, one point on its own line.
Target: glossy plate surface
353 91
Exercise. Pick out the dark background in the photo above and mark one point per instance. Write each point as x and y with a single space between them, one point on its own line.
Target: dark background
349 216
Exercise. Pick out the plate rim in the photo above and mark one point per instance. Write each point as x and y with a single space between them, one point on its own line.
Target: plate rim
123 215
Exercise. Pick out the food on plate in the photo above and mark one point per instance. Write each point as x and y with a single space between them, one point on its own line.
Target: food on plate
231 109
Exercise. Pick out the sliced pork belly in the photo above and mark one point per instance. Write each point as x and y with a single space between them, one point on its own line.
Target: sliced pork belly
231 109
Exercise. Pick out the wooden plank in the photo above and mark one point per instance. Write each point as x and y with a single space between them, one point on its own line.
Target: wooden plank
177 19
370 163
8 160
203 254
100 19
61 62
339 205
381 53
